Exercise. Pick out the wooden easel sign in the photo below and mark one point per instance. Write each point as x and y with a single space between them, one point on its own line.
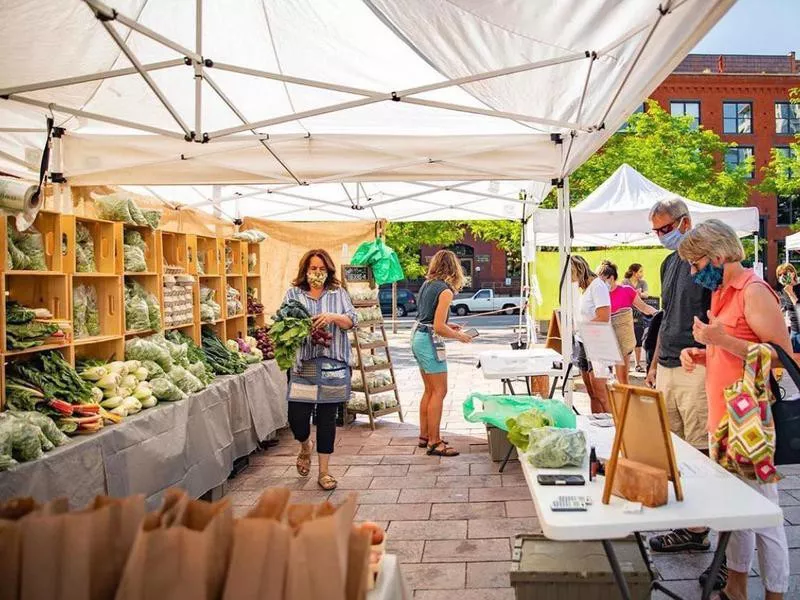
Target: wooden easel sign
554 332
642 434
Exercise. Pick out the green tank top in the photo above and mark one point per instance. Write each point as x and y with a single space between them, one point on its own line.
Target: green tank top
429 299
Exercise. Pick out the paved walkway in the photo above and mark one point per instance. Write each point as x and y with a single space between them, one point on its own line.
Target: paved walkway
453 520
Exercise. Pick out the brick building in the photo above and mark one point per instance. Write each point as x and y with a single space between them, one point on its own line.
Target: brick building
744 99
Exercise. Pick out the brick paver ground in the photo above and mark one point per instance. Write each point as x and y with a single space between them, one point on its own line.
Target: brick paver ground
452 521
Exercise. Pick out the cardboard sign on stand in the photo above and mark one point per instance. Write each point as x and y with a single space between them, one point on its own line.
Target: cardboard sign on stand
642 434
554 332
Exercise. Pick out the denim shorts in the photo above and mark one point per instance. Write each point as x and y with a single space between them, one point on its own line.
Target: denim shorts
425 354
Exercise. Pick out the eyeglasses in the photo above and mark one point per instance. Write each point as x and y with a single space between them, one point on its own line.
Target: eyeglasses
664 230
696 264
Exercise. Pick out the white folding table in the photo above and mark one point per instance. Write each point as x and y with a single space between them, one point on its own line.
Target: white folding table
511 364
712 498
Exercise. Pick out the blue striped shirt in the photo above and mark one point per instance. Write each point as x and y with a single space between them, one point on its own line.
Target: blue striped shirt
335 301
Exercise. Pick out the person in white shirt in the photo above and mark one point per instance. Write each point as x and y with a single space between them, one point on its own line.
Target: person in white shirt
594 305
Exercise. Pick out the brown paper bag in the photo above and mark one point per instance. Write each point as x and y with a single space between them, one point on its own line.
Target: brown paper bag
257 569
318 555
83 552
11 513
358 572
180 552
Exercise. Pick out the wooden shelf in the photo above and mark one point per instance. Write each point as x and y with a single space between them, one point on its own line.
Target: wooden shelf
205 276
239 316
253 275
140 273
91 275
95 339
365 304
135 332
182 326
370 324
374 368
42 348
376 413
372 346
37 273
387 388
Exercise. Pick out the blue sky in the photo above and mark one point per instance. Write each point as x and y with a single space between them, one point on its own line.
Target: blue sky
755 27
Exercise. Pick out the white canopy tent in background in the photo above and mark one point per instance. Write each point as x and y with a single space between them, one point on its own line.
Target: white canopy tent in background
296 93
792 243
617 214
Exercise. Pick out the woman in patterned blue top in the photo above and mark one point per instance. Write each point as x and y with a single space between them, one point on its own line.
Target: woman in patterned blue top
321 374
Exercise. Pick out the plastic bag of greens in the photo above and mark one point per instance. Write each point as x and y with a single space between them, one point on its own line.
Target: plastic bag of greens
165 390
153 311
113 208
92 312
201 371
27 441
134 238
153 217
45 423
178 352
207 313
153 370
84 249
554 448
135 261
145 349
26 249
185 380
137 316
206 294
136 213
79 306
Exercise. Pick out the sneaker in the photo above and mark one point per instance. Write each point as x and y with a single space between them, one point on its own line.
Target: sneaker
680 540
722 576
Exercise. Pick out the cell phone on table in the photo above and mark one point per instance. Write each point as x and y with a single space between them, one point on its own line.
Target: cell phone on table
560 480
472 332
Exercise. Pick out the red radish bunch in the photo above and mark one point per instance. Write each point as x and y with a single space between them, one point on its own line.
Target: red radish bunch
321 337
264 343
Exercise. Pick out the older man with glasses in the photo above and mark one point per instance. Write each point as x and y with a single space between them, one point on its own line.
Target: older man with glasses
684 392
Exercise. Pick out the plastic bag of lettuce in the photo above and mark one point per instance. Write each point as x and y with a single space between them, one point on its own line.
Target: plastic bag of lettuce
555 448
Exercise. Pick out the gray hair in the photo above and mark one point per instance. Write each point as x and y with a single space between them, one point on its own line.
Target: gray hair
673 206
711 239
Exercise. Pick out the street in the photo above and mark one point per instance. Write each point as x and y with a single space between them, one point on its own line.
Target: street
476 320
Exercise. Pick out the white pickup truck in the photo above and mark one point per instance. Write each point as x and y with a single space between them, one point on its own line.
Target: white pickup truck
485 301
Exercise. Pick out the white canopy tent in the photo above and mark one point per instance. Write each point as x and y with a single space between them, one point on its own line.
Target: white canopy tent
792 243
616 214
296 93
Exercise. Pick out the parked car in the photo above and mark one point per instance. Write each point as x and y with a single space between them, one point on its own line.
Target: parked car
406 301
485 301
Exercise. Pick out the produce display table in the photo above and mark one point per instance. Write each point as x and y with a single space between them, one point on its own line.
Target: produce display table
506 365
189 444
704 483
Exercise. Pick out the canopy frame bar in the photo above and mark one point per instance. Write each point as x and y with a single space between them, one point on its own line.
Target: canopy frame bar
446 188
198 67
19 161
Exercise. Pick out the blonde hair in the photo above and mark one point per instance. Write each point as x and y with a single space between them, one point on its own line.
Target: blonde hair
445 267
711 239
785 267
581 272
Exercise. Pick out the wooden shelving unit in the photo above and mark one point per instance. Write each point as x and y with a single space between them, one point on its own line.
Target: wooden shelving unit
354 277
53 288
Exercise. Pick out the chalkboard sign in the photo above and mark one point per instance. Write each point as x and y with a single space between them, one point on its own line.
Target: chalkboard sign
356 273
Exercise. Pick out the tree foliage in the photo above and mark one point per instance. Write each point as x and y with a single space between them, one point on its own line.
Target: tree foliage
407 239
782 174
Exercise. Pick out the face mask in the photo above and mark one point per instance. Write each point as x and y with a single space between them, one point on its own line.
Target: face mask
672 240
710 277
316 279
786 279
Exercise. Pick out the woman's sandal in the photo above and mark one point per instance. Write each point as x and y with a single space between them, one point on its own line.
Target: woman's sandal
423 442
304 461
442 449
327 482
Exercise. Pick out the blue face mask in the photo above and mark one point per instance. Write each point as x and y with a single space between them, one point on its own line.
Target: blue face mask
672 240
710 277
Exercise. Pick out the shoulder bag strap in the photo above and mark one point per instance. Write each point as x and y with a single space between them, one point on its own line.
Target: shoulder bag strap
790 367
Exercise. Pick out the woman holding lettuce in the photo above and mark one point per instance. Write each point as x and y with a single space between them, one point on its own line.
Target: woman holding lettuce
321 374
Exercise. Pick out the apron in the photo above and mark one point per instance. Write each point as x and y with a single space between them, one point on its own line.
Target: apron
320 381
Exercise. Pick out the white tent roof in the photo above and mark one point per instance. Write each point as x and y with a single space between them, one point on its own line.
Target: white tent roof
617 213
793 241
295 92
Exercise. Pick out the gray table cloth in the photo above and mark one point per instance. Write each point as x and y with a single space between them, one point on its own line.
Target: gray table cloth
189 444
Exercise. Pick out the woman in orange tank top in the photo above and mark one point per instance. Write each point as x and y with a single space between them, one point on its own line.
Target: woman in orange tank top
744 310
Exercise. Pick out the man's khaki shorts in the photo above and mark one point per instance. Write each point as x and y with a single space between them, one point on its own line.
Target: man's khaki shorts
687 405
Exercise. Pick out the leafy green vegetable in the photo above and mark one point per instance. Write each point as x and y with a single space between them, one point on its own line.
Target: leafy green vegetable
554 448
18 314
519 427
134 259
84 249
222 360
291 326
184 379
145 349
137 314
136 213
46 424
165 390
85 315
152 217
153 370
26 249
113 207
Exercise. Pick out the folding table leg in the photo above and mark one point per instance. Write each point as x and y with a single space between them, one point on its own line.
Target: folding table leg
619 576
655 584
511 387
719 555
507 458
553 387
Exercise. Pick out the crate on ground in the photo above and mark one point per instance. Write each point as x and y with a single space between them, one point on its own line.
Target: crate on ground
499 444
545 569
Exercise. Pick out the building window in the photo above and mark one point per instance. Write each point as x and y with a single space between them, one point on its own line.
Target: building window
682 109
788 210
786 152
787 118
513 264
736 156
737 117
624 126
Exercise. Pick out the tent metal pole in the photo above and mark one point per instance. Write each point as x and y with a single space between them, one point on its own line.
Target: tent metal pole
216 192
198 67
785 253
103 11
54 83
492 113
18 161
243 119
295 116
145 75
446 188
416 194
90 115
565 244
22 130
295 80
755 248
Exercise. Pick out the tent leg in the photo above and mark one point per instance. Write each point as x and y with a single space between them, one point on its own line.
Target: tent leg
564 249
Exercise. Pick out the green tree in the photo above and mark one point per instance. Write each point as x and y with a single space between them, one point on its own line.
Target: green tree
782 174
672 153
407 238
